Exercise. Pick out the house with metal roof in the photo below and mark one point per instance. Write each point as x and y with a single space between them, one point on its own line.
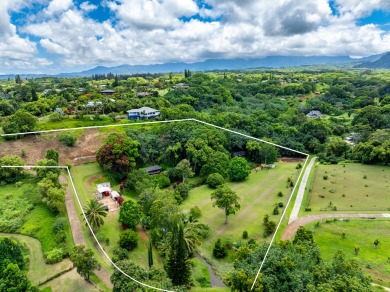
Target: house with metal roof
143 113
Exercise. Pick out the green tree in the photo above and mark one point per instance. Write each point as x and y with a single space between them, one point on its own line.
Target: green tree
238 169
184 169
95 212
178 267
261 152
20 121
118 154
13 279
150 255
226 199
152 277
219 250
12 174
129 214
214 180
18 80
52 154
128 239
84 261
56 199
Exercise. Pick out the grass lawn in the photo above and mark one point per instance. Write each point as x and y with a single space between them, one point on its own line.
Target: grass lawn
361 233
258 194
350 187
38 270
85 177
70 281
200 273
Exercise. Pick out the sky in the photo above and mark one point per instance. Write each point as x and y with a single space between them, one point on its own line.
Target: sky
53 36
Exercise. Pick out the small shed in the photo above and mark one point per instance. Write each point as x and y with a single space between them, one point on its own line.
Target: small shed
115 195
104 188
153 169
241 153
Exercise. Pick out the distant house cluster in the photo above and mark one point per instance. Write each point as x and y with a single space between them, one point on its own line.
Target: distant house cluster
314 114
143 113
180 86
5 95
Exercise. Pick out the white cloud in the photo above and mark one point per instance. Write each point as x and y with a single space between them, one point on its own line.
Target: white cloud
151 31
87 7
57 6
153 13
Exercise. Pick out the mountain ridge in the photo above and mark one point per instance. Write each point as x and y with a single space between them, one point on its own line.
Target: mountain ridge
217 64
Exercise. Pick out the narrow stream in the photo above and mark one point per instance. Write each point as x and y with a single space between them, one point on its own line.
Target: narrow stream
215 280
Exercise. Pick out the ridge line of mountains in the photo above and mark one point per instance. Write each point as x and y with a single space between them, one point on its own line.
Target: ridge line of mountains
381 61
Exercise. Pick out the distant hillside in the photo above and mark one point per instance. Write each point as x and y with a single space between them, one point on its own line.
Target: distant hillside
217 64
375 61
382 63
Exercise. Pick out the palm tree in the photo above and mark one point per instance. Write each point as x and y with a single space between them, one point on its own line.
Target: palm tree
193 234
94 212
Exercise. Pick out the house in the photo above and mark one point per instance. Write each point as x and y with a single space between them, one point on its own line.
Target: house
93 103
5 95
153 169
142 113
104 189
241 153
314 114
107 92
143 94
59 110
180 86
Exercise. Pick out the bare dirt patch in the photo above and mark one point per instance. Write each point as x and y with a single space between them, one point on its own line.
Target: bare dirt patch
93 178
35 147
291 159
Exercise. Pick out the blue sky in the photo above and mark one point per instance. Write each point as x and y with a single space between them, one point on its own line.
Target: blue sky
52 36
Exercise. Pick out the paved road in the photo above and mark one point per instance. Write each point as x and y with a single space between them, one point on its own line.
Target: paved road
301 191
292 227
77 233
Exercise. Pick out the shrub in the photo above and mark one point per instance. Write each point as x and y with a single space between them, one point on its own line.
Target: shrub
59 224
18 184
183 189
365 176
214 180
276 210
69 139
307 209
325 177
245 234
299 166
280 194
269 226
280 204
163 181
54 256
60 237
195 212
128 239
219 250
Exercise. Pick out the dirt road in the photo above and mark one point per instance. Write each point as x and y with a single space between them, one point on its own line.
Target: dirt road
75 226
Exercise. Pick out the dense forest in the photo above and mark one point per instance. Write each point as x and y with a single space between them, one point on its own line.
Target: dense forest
350 107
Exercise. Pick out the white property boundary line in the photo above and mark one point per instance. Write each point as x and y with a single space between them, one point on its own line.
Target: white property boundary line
160 122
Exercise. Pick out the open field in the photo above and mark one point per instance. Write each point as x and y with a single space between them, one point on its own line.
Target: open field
38 270
258 194
358 233
349 188
71 281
